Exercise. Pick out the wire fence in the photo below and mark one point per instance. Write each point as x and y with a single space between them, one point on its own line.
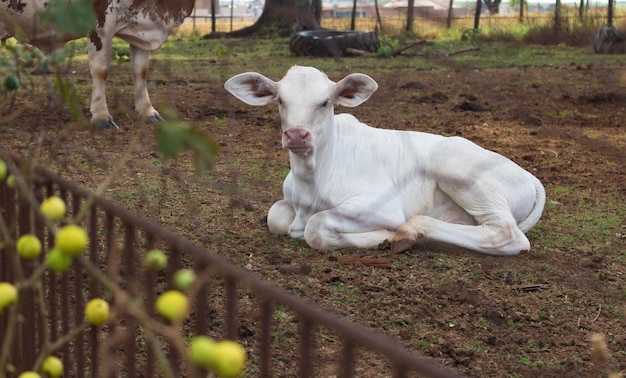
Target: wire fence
224 296
594 17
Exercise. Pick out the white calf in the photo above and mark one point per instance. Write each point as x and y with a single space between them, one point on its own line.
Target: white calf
352 185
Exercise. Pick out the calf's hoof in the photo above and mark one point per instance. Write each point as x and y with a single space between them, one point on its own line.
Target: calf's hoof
401 244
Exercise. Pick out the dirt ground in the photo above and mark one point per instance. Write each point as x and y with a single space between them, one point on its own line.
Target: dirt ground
524 316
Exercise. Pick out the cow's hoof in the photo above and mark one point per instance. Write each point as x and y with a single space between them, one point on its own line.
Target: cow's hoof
154 119
401 245
106 124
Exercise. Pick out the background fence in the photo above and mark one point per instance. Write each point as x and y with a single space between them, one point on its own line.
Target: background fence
394 19
228 302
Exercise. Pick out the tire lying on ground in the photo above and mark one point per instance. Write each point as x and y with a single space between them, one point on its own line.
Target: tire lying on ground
609 40
332 42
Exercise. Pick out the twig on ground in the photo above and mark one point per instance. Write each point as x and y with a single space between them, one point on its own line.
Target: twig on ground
598 314
461 51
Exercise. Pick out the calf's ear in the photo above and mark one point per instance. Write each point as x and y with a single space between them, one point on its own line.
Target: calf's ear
354 89
252 88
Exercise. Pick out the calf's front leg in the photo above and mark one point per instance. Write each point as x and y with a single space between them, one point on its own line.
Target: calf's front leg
280 217
330 229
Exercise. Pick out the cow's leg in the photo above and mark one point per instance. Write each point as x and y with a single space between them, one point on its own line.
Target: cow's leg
498 237
140 60
99 64
280 217
334 229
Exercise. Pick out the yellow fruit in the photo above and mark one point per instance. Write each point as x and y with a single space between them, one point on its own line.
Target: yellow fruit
52 366
58 262
172 305
97 312
183 278
8 295
29 374
155 259
3 169
28 246
53 208
202 351
229 359
11 181
71 240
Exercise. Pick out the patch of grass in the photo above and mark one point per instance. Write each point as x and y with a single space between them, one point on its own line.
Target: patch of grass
474 345
420 343
596 222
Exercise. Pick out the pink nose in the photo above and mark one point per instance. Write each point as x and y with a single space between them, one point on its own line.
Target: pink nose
297 138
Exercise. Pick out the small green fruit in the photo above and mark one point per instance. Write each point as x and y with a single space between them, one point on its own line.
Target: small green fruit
11 181
29 374
97 312
3 170
230 359
57 261
11 83
172 305
28 246
202 351
8 295
155 260
52 366
183 279
71 240
53 208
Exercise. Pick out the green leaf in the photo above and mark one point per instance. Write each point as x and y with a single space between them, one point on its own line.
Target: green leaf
69 17
171 138
69 95
204 148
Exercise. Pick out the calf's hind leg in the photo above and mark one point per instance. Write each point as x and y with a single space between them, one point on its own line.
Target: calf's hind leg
501 238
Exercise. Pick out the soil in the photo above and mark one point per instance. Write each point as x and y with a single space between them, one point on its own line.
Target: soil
523 316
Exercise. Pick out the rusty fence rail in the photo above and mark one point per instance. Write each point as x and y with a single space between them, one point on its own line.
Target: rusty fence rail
118 239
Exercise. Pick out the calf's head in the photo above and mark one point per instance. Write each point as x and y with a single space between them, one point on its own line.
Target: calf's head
305 98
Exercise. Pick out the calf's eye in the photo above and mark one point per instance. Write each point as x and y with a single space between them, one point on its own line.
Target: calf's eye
324 104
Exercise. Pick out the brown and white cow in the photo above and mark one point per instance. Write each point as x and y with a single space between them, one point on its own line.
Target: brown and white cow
144 24
352 185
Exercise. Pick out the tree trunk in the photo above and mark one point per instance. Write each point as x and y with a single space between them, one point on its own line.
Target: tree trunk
285 15
379 20
557 17
353 16
521 11
317 11
581 10
477 14
610 16
449 20
409 16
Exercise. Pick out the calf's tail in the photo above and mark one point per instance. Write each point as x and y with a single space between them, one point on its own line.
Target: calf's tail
537 210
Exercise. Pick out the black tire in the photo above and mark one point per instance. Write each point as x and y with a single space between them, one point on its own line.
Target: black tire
609 40
332 42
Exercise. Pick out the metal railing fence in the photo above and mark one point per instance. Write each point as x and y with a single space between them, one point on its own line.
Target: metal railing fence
225 298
